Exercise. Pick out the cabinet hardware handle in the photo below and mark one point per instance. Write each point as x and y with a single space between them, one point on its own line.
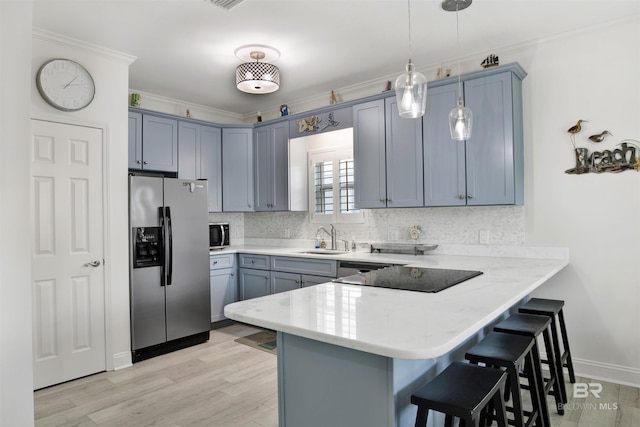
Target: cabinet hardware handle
389 200
253 261
145 162
461 197
469 196
233 274
139 162
215 262
381 199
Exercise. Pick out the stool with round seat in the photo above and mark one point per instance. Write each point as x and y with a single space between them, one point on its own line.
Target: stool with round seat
553 309
462 390
533 325
513 353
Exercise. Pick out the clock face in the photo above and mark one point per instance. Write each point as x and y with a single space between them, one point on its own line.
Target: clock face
65 84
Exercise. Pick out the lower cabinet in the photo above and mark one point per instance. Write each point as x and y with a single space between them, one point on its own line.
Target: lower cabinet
261 275
254 283
223 283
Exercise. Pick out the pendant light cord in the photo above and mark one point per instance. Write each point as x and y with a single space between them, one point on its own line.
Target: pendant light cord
458 49
409 16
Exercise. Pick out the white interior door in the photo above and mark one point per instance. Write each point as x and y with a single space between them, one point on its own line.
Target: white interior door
67 250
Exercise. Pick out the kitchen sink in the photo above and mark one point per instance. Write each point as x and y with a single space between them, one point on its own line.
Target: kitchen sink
324 252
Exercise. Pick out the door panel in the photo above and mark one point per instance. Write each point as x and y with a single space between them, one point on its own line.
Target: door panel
187 297
67 234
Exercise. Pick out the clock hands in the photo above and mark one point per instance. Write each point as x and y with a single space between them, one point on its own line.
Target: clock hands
69 84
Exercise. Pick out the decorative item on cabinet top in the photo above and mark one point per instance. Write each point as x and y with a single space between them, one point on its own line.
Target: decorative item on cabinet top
316 124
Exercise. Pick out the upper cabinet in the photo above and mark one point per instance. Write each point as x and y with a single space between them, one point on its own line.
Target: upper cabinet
271 160
200 157
487 169
153 143
237 169
388 156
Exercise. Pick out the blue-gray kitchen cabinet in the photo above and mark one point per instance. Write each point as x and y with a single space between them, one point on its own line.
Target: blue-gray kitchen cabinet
253 283
487 169
223 283
387 156
237 169
200 157
135 140
159 144
271 168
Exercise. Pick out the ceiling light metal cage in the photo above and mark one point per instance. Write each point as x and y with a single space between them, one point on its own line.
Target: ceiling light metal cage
257 77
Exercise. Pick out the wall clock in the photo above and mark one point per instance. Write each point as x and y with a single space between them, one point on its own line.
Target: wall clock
65 84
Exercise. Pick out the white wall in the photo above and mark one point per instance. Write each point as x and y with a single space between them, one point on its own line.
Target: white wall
16 371
109 111
592 75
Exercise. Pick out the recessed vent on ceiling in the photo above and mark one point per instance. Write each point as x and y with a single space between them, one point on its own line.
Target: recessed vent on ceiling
226 4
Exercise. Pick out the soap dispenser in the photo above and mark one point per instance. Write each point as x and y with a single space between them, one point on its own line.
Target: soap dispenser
318 240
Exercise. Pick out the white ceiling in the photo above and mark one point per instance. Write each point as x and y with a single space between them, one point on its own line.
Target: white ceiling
185 48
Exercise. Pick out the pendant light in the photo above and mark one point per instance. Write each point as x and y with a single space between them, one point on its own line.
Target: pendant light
461 117
411 86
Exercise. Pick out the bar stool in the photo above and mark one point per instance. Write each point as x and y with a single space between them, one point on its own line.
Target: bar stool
553 308
533 325
514 352
462 390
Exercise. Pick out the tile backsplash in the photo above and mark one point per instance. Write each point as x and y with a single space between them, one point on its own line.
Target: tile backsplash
492 225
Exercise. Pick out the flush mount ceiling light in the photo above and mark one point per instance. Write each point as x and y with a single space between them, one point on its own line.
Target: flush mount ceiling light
257 77
411 86
461 117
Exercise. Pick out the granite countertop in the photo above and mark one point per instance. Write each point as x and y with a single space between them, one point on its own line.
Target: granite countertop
403 324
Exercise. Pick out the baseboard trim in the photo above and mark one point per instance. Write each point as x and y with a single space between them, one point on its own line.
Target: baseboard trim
623 375
122 360
617 374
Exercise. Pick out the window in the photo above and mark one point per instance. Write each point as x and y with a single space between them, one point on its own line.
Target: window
332 187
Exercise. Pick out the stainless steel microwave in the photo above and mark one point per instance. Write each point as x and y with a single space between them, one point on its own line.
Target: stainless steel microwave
218 235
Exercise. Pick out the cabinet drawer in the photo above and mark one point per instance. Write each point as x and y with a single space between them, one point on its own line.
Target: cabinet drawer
318 267
222 261
261 262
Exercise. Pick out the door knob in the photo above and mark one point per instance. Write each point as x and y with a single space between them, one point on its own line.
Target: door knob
94 263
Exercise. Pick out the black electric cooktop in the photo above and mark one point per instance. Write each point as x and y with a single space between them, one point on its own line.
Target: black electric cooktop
412 278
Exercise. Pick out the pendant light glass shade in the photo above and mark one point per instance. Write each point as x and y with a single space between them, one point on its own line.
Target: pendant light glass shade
411 93
461 117
460 121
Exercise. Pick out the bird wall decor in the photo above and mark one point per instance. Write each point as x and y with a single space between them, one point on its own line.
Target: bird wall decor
573 130
599 137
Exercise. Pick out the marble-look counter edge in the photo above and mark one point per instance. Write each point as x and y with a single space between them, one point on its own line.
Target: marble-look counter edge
481 300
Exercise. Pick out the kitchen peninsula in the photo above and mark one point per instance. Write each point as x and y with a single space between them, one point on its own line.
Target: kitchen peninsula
351 355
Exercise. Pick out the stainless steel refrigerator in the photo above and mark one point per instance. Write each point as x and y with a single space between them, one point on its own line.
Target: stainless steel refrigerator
169 264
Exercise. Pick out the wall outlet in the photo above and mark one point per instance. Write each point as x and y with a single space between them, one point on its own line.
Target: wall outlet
483 237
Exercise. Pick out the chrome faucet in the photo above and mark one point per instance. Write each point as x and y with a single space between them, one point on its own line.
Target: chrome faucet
331 234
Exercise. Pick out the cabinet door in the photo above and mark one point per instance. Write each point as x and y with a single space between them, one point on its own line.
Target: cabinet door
188 147
403 150
369 155
280 166
159 143
281 282
224 290
263 168
254 283
272 167
135 140
308 280
237 170
444 158
490 155
210 165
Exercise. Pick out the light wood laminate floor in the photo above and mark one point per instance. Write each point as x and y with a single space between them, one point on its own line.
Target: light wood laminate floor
225 384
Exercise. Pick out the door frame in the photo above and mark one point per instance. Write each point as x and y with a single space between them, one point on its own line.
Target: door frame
106 241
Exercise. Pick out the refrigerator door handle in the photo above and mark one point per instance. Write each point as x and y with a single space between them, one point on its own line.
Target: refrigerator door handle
164 239
170 246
